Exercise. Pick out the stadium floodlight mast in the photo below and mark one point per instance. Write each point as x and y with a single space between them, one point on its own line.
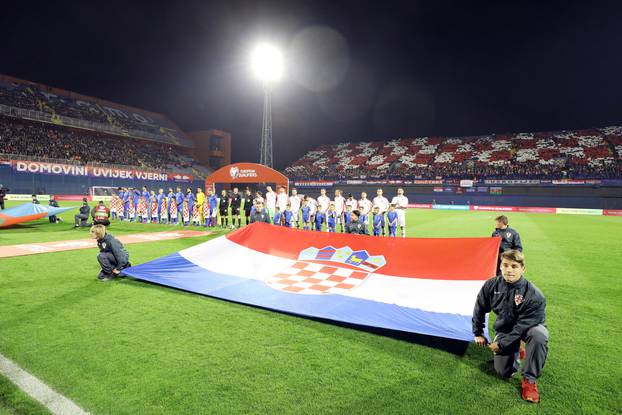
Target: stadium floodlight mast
267 63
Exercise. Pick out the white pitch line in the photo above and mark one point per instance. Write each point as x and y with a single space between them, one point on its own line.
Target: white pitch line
36 389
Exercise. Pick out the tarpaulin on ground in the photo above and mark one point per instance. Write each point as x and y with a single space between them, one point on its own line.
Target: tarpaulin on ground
27 212
418 285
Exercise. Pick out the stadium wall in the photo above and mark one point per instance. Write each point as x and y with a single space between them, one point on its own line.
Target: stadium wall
589 197
29 183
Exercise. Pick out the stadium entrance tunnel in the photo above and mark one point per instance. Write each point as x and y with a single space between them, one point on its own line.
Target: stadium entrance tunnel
246 173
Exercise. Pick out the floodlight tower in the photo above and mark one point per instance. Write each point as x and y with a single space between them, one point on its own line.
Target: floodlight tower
267 64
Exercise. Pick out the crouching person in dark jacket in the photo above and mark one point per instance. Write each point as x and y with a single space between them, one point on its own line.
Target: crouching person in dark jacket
82 217
112 255
520 309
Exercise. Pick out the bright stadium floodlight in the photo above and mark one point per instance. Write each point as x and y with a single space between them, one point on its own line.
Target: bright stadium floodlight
267 62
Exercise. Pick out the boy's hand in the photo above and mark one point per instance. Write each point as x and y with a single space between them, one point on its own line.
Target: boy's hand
116 271
481 341
494 347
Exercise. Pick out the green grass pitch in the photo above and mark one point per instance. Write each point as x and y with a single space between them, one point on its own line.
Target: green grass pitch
127 347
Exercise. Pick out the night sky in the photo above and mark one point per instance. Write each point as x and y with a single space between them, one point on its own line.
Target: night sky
354 70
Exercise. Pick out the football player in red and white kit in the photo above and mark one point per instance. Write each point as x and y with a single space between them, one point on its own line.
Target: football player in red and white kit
323 202
340 207
401 203
382 203
364 208
295 201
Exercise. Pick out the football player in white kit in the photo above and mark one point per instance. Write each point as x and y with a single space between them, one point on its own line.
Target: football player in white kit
351 201
323 202
364 208
295 202
340 207
313 208
401 203
382 203
282 199
270 201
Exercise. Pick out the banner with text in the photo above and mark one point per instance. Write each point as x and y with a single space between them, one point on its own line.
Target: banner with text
37 167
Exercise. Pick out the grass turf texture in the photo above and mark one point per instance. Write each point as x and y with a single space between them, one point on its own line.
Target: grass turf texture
130 347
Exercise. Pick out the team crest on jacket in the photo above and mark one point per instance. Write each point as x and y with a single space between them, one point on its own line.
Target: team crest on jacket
327 270
518 299
234 172
508 235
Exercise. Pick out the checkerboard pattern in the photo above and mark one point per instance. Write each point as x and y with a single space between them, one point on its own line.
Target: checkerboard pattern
312 278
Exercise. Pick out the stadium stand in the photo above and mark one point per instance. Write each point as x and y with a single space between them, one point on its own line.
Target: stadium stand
593 153
41 123
36 101
41 140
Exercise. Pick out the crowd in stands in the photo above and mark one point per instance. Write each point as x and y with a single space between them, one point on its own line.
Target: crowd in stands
37 139
594 153
37 98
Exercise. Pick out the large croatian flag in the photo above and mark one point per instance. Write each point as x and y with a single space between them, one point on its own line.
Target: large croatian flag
419 285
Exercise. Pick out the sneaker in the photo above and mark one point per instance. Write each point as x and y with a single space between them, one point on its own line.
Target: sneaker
104 277
521 350
530 391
